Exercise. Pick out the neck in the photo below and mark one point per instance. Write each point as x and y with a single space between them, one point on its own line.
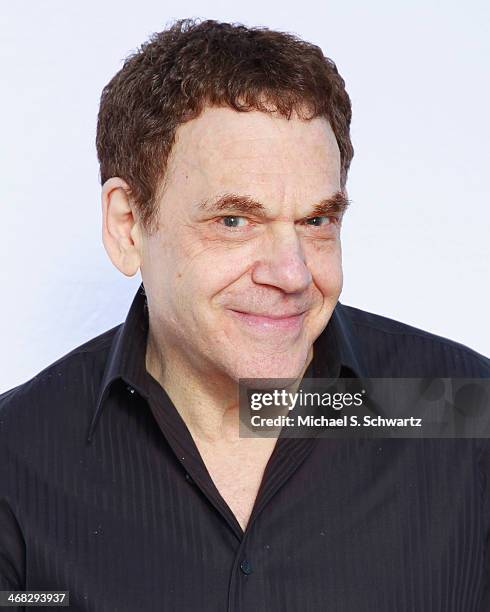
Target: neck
206 401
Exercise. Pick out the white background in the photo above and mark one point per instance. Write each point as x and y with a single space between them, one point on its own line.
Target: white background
416 239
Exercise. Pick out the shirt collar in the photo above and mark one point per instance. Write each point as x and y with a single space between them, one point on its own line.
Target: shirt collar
336 353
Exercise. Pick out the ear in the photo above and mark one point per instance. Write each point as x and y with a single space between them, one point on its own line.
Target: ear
121 232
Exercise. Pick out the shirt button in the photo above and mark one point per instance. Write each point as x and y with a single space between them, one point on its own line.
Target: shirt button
130 389
246 567
188 477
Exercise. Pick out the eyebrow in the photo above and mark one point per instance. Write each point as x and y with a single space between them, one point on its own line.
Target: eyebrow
232 202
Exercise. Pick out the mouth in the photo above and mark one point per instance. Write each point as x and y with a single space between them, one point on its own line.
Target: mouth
270 321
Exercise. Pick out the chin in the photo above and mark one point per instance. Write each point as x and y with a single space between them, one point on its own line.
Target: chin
273 368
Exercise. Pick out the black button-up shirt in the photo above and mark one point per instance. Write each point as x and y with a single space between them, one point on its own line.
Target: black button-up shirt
104 494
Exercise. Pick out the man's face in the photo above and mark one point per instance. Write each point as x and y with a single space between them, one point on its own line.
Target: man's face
244 270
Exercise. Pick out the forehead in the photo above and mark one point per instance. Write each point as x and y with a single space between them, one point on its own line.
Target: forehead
226 146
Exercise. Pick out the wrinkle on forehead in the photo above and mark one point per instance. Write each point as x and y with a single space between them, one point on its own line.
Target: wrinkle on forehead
275 160
224 134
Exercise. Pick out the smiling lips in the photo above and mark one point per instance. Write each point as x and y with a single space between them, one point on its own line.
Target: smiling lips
287 321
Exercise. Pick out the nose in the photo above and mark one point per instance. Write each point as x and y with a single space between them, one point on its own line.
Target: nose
282 263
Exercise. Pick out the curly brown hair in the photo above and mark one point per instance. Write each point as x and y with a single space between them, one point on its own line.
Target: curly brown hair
176 73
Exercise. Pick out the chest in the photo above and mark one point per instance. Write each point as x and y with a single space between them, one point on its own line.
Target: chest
383 525
237 472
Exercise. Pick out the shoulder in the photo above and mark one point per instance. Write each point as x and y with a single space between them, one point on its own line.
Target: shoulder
67 386
393 348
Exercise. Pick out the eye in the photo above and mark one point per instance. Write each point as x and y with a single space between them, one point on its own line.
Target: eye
320 221
233 221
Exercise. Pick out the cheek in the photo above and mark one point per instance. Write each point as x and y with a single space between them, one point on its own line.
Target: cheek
203 270
326 269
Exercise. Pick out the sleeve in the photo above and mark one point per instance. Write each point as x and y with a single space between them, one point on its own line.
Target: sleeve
12 551
12 554
485 480
12 542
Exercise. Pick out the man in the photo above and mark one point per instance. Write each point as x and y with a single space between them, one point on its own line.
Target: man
224 154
